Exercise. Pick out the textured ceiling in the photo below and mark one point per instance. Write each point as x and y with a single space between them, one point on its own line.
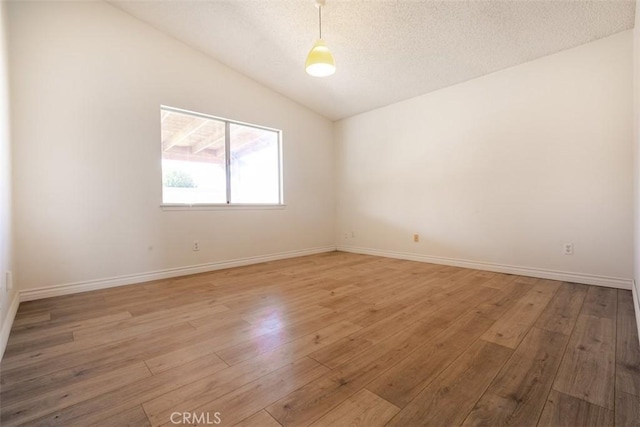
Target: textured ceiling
385 51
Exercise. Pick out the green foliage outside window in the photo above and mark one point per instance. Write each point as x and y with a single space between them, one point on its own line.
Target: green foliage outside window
178 179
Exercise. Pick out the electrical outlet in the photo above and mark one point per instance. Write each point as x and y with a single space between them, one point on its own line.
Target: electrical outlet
353 234
346 235
416 238
568 248
196 245
8 281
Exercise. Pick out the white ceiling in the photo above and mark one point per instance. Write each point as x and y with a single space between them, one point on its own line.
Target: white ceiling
385 51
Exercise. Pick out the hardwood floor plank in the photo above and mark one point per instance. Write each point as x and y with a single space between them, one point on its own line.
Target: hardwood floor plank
149 306
332 356
30 332
259 307
119 400
627 411
65 356
378 312
31 408
28 320
283 301
370 363
212 387
562 410
77 353
16 392
93 299
259 419
439 311
517 395
223 334
246 400
511 293
403 381
448 399
148 323
509 329
627 347
562 311
277 315
591 350
81 313
134 417
310 402
247 349
455 304
502 282
601 302
17 348
363 409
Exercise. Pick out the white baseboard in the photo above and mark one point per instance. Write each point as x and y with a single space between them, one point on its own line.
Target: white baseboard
636 304
90 285
587 279
7 322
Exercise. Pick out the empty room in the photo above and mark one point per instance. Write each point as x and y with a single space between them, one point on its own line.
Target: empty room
291 213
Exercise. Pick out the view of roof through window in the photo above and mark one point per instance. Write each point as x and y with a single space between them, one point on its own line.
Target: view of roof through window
201 164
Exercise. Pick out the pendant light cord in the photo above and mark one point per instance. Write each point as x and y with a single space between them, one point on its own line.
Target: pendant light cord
320 19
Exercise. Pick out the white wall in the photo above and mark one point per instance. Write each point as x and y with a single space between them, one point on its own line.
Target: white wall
89 82
501 170
8 300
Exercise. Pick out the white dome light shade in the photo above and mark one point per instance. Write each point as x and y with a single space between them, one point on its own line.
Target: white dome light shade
320 62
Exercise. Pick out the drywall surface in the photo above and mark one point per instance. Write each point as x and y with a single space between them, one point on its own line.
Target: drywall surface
8 301
502 170
89 82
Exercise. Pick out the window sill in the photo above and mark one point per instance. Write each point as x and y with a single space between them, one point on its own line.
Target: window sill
219 207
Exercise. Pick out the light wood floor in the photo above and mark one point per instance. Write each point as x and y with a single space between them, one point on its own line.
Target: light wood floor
328 340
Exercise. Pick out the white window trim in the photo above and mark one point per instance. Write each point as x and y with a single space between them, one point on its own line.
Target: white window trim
229 206
219 206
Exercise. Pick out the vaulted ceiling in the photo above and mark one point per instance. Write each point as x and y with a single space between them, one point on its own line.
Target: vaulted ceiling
385 51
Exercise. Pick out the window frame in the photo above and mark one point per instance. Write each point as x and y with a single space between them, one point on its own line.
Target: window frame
227 142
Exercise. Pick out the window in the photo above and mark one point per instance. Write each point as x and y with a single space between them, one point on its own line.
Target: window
208 160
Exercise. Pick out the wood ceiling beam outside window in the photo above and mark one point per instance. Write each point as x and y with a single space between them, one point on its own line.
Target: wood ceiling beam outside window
192 127
216 138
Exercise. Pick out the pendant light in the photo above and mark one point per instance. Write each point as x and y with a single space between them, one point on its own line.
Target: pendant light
320 62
